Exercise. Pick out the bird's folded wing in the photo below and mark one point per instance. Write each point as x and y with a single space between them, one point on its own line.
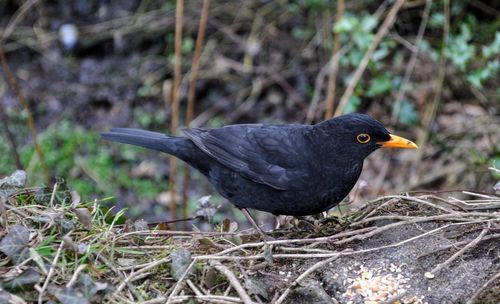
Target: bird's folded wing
264 154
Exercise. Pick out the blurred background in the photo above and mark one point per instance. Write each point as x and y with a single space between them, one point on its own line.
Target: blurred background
72 69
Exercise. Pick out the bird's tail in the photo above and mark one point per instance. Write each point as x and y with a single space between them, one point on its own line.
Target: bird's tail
147 139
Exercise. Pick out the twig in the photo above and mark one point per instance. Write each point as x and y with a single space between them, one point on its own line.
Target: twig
325 255
457 244
332 81
472 244
145 268
430 113
233 281
413 59
478 292
51 271
192 94
208 298
16 18
178 285
194 288
304 275
389 20
119 274
75 275
179 11
320 79
53 195
395 298
11 79
10 137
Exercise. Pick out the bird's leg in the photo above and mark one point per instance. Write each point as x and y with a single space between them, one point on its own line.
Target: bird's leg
253 223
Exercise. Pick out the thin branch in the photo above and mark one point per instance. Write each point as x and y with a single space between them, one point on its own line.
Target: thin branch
16 18
178 285
332 81
233 281
146 267
472 244
478 292
10 138
304 275
413 59
179 10
51 272
430 113
320 79
11 79
195 66
388 22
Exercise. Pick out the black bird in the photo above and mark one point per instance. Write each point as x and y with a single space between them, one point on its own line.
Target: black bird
282 169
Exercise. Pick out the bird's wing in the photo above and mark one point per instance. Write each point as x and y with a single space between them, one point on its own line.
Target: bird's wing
270 155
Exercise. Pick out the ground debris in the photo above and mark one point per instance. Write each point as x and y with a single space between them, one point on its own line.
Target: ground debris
378 254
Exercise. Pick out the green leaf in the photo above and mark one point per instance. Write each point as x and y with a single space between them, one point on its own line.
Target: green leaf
352 105
129 251
346 24
362 39
379 85
38 260
368 23
477 77
187 45
436 20
405 112
459 50
493 48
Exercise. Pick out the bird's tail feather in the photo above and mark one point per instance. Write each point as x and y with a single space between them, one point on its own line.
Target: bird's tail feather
147 139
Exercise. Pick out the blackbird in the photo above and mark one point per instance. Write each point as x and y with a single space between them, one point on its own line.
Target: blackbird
289 169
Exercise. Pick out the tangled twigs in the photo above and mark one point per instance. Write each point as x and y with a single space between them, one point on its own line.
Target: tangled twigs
472 244
233 281
478 292
137 262
51 272
304 275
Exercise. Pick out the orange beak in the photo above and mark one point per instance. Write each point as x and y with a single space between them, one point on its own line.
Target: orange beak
398 142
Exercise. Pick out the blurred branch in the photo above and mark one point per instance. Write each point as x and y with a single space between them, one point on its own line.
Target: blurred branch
9 76
10 138
402 89
388 22
430 111
179 10
413 60
9 29
320 79
195 66
149 22
16 18
332 81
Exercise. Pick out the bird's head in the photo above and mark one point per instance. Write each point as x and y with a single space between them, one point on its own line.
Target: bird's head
355 136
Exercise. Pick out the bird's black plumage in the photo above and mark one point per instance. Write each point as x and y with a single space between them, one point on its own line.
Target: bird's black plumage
281 169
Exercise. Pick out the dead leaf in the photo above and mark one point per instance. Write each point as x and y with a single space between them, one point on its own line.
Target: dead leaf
181 259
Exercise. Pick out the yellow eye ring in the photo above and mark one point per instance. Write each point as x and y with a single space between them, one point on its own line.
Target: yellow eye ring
363 138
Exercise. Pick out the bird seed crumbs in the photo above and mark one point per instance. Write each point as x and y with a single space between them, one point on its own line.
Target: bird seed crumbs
377 285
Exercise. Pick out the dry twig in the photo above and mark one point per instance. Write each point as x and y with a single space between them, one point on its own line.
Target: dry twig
233 281
179 11
389 20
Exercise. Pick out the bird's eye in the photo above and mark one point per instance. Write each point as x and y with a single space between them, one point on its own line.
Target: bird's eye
363 138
